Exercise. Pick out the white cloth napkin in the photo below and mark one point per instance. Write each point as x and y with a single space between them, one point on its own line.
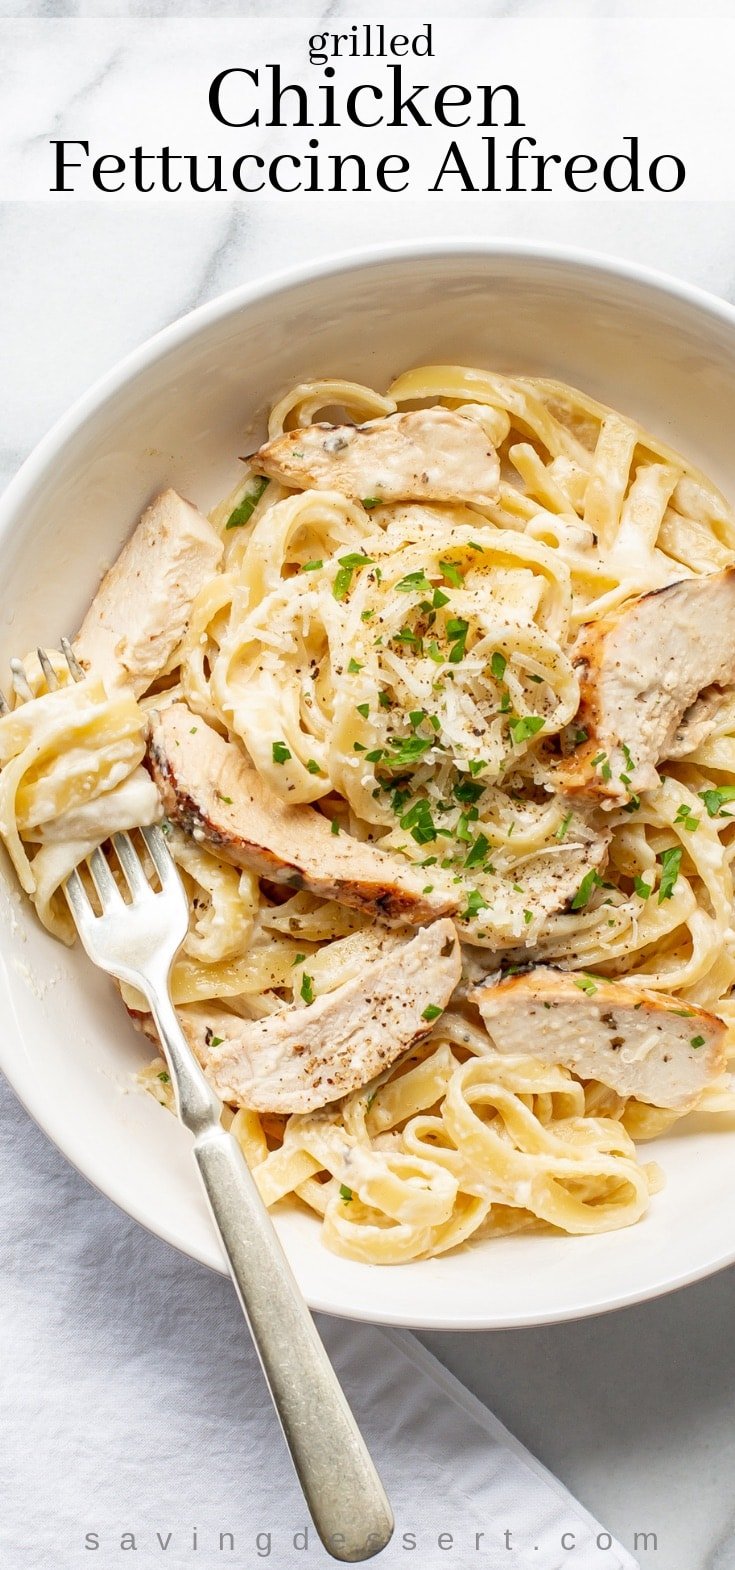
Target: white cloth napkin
132 1403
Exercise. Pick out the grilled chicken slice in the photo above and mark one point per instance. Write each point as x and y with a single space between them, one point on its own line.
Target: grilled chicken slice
640 1043
304 1058
698 723
641 669
141 610
425 455
209 789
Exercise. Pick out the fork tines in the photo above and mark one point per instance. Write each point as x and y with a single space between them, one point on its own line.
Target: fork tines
21 686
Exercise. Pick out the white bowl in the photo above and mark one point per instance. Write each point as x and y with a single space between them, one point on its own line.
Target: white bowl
177 412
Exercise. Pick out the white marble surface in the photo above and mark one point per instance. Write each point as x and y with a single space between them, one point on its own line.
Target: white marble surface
633 1411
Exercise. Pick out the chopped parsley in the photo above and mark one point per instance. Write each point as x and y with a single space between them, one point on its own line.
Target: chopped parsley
335 825
363 709
313 766
643 889
345 1193
299 960
590 881
686 819
462 830
281 753
228 799
714 799
528 916
369 502
164 1077
419 821
522 729
414 580
312 566
476 855
475 903
563 826
468 791
452 573
601 762
498 665
457 629
697 1041
578 735
408 750
670 864
398 800
307 988
353 667
586 984
216 1041
432 1011
348 565
245 509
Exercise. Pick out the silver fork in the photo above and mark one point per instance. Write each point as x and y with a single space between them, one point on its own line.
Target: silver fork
137 942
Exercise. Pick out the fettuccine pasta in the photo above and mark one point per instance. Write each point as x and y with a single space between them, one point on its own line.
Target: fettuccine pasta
403 662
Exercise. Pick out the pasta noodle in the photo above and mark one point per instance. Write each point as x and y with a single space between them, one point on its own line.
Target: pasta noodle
406 667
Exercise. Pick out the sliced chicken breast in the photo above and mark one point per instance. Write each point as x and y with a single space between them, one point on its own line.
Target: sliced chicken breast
425 455
698 723
209 789
141 610
640 1043
641 669
305 1058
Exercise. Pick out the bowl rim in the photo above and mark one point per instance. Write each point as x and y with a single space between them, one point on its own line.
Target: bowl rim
105 387
137 359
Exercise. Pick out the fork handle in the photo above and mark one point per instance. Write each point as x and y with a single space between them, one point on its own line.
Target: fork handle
342 1489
